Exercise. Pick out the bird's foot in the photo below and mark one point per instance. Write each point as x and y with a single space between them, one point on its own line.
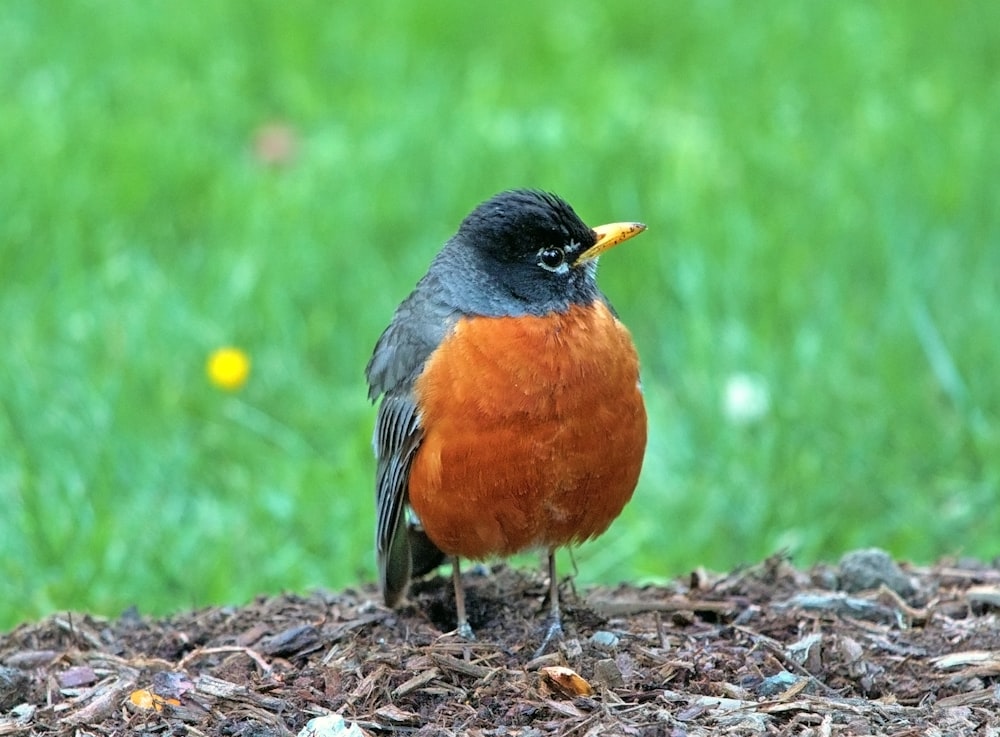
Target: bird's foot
553 631
465 631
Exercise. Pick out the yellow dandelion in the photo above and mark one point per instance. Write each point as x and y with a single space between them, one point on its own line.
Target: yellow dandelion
228 368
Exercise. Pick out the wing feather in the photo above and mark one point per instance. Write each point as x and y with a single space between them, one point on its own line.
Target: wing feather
417 328
397 437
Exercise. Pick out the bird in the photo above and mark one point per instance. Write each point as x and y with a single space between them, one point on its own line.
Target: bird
511 416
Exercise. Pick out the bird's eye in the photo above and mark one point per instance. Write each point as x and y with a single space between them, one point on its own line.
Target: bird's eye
552 258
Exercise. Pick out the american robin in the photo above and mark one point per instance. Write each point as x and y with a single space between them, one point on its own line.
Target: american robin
511 414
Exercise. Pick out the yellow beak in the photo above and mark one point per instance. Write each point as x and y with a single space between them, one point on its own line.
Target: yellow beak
609 236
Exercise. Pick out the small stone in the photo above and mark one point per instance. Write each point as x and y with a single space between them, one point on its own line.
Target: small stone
606 673
862 570
604 640
331 725
776 684
13 687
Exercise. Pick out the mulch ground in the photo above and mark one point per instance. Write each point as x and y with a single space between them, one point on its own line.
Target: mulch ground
864 647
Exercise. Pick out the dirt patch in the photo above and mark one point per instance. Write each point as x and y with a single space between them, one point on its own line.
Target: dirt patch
764 650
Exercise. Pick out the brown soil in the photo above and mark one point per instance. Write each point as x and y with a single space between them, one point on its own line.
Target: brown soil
765 650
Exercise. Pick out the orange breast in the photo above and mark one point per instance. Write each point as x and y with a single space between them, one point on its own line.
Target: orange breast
535 431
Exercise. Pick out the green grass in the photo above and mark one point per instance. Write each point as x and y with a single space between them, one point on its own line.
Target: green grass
819 181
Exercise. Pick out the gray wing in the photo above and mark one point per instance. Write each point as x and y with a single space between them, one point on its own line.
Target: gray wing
397 437
417 328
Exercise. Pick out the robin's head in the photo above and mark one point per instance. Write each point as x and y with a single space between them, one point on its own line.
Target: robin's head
525 251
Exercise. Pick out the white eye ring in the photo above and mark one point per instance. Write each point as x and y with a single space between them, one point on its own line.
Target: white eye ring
553 258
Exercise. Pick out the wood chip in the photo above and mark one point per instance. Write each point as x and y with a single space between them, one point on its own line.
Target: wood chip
625 607
103 699
397 716
986 662
988 595
421 679
461 666
769 651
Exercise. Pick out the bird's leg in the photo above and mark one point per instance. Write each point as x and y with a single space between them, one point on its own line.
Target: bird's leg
463 629
554 626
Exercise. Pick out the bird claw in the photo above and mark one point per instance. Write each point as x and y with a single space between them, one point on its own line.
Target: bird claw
554 631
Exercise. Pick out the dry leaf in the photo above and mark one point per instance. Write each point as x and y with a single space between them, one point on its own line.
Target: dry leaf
143 698
566 681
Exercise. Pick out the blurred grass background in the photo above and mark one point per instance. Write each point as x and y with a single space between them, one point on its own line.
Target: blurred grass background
819 182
